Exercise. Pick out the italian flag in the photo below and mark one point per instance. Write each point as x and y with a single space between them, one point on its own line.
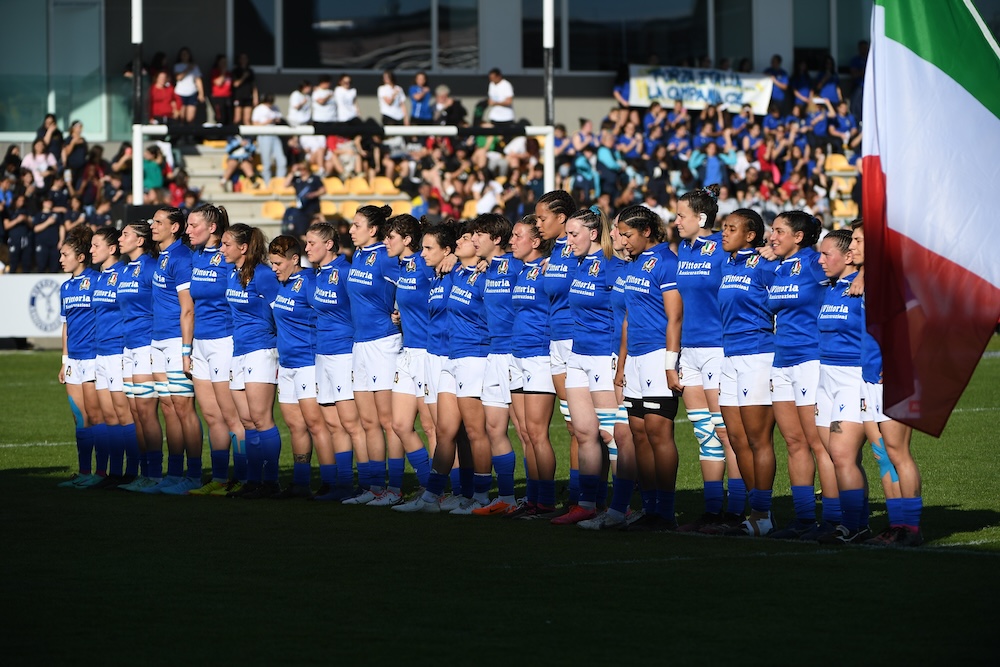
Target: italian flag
931 179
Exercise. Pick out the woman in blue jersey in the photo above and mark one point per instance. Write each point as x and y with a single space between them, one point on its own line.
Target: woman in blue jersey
212 349
371 284
839 398
295 321
412 289
334 339
553 210
251 289
590 369
173 332
120 429
795 298
135 298
79 356
699 274
652 340
748 341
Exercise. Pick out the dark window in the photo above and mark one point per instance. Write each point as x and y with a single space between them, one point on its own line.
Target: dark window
532 55
458 34
253 30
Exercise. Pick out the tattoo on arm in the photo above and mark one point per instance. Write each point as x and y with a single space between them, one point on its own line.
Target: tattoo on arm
302 458
835 427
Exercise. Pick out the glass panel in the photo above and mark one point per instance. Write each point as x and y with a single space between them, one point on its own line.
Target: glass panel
811 31
376 34
990 11
733 34
76 75
458 34
604 36
531 35
253 30
24 79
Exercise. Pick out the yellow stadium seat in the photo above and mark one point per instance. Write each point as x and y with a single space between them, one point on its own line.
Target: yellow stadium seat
384 186
469 210
257 187
278 187
348 208
358 186
401 206
334 186
214 143
837 162
273 210
328 208
844 184
844 209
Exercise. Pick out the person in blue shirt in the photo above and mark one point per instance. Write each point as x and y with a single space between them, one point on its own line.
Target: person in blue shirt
827 83
839 399
309 189
250 290
212 350
78 370
135 299
295 321
173 332
120 440
402 242
748 343
652 340
801 84
371 284
795 298
334 339
421 100
843 130
817 125
46 230
780 94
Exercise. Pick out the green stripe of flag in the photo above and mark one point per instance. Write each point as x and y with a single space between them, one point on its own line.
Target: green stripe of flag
946 34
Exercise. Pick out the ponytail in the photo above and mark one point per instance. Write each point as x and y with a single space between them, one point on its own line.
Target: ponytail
256 253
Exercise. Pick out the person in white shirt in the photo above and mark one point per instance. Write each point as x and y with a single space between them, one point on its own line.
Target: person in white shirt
501 99
392 101
347 100
300 105
188 85
324 104
269 146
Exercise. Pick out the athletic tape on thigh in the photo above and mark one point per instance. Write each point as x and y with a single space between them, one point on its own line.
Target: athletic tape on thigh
77 415
718 421
564 409
179 384
709 445
885 466
633 406
144 389
162 389
665 406
621 417
127 388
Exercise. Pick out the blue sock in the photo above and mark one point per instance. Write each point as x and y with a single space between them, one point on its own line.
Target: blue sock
301 472
894 508
436 482
714 494
194 468
270 447
220 465
421 464
602 491
481 483
363 480
665 504
376 473
455 477
588 490
240 466
131 443
760 501
831 510
547 492
143 464
328 473
852 504
804 501
574 486
910 511
504 465
102 447
531 492
396 469
468 476
84 449
154 462
621 496
255 457
648 500
175 465
345 468
116 450
737 496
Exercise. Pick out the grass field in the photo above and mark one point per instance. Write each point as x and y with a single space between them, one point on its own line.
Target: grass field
121 578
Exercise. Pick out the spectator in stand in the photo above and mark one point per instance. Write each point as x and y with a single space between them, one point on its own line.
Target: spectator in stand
448 110
270 147
309 189
245 95
610 167
12 160
300 103
655 117
222 90
801 83
75 216
346 99
500 96
92 178
47 232
421 101
844 128
153 178
392 101
817 122
622 87
191 202
40 162
629 144
74 152
679 147
102 216
164 104
189 87
17 226
240 151
585 136
711 166
780 94
827 83
679 116
50 133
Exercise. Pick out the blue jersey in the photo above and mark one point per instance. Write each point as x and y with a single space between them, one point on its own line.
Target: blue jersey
747 323
437 314
253 321
371 283
467 315
699 274
558 276
530 335
649 276
617 270
795 297
295 320
110 338
498 293
135 298
333 308
209 279
590 303
172 275
412 290
841 321
76 309
871 353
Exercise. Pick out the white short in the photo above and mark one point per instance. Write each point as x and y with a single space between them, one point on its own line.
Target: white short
259 366
497 380
536 375
166 355
469 373
650 374
701 367
109 373
137 361
559 351
839 395
797 383
334 378
296 384
594 372
375 363
871 404
746 380
311 142
433 365
632 388
212 359
446 383
411 372
79 371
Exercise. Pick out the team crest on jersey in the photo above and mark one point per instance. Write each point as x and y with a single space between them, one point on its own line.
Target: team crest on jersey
533 273
113 279
85 284
752 261
473 278
298 285
504 265
216 260
846 292
595 268
163 262
371 260
411 266
796 267
566 252
649 264
136 270
708 247
334 277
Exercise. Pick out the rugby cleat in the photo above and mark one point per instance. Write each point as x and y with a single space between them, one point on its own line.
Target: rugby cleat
706 519
418 504
182 487
576 514
793 531
451 502
293 491
897 536
160 485
843 535
77 478
363 498
496 507
467 506
603 521
386 499
209 489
